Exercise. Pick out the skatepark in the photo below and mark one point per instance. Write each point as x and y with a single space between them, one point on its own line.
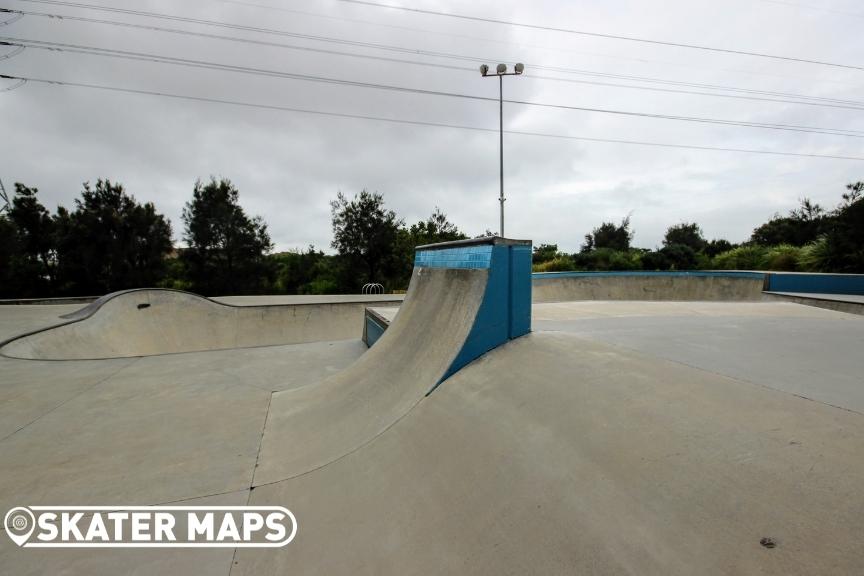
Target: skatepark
487 422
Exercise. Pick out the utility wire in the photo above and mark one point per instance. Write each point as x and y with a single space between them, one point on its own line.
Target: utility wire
423 123
13 19
581 33
88 50
488 40
21 82
18 50
807 100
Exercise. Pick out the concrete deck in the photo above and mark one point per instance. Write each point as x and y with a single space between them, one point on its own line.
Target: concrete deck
618 438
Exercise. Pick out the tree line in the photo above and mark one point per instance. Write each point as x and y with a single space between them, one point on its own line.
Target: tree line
110 241
809 238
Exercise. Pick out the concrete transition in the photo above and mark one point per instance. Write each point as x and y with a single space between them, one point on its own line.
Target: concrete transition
629 437
465 298
152 321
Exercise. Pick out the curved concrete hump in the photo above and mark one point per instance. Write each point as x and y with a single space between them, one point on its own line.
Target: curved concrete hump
153 321
465 298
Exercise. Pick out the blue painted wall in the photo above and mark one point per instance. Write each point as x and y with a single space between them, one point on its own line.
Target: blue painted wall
520 290
816 283
372 331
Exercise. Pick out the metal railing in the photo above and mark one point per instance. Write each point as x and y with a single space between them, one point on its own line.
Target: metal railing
372 288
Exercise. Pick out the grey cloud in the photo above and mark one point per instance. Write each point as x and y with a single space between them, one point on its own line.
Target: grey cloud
289 166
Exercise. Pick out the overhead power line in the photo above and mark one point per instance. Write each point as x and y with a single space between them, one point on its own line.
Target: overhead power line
520 44
17 16
740 93
585 33
17 50
424 123
109 52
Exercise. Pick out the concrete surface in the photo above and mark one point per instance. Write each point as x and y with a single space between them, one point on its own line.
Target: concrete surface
797 349
851 298
619 438
282 299
388 314
310 427
556 454
850 303
693 286
149 322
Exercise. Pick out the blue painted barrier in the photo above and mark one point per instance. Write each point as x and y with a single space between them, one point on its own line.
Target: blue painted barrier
815 283
372 330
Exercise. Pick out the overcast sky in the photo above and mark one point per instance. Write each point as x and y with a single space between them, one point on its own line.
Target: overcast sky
288 166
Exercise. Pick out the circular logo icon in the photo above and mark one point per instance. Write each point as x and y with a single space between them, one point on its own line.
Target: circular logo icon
19 523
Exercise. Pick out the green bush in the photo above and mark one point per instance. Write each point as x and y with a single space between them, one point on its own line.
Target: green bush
815 257
680 256
608 259
561 263
741 258
784 257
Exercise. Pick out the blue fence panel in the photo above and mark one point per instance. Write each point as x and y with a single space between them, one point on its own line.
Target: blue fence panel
816 283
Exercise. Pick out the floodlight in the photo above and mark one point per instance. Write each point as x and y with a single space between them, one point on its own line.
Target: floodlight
502 68
484 69
519 68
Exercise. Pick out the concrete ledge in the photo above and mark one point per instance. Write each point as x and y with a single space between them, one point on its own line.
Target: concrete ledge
681 286
44 301
840 303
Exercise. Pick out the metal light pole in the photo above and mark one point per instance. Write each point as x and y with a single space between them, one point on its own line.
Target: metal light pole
500 72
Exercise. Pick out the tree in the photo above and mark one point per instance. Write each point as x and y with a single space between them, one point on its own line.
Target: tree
8 249
608 235
296 270
544 253
844 238
32 264
110 242
802 226
685 234
437 228
365 235
680 256
715 247
227 250
808 211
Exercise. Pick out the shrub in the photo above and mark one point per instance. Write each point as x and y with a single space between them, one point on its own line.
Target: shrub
740 258
784 257
608 259
680 256
814 257
655 260
561 263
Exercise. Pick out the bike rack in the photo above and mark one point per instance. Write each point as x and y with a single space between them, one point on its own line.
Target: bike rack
372 288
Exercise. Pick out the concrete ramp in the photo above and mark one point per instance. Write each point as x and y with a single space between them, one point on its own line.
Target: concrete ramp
465 298
148 322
